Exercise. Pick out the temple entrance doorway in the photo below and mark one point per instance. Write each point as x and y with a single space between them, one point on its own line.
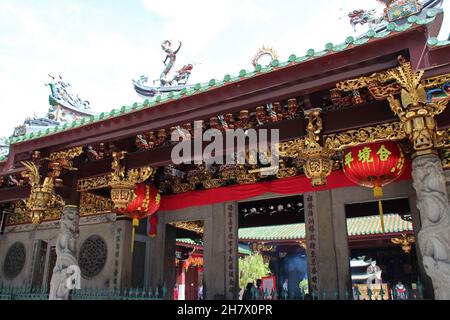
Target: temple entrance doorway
272 252
188 253
383 263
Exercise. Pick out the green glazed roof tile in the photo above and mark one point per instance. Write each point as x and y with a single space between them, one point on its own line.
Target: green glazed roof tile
320 53
292 58
250 74
434 42
301 59
339 48
355 227
310 52
361 41
403 27
382 34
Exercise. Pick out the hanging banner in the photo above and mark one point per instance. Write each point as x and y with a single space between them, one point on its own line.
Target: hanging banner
291 185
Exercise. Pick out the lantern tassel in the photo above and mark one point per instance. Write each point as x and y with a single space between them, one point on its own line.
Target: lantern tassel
378 193
380 209
133 231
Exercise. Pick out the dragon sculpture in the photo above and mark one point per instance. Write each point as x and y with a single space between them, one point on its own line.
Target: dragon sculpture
362 17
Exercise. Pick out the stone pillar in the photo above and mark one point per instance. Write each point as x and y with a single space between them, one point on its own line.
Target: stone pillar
123 272
169 261
214 274
339 224
323 275
434 237
66 250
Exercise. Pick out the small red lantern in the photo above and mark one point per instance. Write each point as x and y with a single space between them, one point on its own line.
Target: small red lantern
146 201
374 166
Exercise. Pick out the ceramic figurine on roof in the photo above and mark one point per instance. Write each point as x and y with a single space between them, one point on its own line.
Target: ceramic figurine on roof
168 81
362 17
65 106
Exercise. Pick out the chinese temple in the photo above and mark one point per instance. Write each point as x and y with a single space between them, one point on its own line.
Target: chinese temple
364 153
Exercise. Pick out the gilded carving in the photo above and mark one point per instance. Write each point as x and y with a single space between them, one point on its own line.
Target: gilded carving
405 242
122 183
388 131
92 204
437 81
42 200
178 186
194 226
416 114
284 171
212 183
94 183
318 162
362 82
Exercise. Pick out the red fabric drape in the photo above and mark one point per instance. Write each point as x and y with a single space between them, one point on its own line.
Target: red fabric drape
292 185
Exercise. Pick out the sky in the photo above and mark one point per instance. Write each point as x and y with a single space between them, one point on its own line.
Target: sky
100 46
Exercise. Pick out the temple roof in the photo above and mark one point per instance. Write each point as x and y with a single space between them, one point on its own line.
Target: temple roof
361 226
350 42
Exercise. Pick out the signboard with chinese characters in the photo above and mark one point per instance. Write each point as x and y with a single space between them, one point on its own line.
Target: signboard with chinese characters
311 241
231 254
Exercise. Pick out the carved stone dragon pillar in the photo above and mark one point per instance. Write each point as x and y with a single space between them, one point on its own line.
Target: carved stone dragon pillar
418 118
434 237
66 250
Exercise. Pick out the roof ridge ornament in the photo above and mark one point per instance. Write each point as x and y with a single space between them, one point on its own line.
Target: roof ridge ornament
169 81
65 106
263 52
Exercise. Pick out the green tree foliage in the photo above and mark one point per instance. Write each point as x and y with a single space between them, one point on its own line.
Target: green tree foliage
252 268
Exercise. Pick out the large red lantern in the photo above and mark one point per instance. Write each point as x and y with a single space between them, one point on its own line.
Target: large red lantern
145 202
374 166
